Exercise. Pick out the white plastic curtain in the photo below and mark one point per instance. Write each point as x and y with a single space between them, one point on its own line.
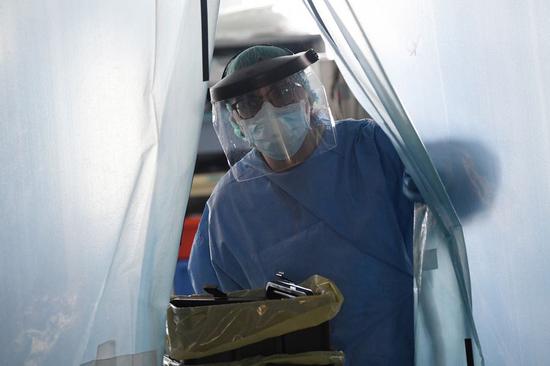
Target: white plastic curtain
443 316
101 104
474 79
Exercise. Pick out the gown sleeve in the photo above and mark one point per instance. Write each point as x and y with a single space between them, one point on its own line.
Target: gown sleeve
201 268
394 171
212 263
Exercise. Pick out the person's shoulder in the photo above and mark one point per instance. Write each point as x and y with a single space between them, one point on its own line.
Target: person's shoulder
364 134
226 183
351 123
229 191
356 131
356 126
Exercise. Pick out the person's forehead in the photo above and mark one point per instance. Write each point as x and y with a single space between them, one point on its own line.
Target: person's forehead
267 91
261 92
277 86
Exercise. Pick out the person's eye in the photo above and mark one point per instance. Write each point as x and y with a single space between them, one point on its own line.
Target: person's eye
286 90
283 94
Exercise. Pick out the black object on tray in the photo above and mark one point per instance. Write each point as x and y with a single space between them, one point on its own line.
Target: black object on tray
313 339
305 340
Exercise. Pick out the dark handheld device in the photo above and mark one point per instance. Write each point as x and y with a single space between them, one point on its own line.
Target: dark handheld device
283 288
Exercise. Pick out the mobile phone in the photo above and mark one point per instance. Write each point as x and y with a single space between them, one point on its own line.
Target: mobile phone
284 288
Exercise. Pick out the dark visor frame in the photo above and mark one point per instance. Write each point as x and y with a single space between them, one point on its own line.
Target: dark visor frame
261 74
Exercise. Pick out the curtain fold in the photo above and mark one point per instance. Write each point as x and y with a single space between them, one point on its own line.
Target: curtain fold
443 306
101 105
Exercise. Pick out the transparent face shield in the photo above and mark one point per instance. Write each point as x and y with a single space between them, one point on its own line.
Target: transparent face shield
274 128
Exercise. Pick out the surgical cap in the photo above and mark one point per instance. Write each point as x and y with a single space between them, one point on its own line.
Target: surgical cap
253 55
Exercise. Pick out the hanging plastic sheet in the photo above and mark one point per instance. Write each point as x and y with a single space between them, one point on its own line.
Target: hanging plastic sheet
443 305
441 334
475 76
100 110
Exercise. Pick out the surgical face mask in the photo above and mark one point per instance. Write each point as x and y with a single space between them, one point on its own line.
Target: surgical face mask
278 132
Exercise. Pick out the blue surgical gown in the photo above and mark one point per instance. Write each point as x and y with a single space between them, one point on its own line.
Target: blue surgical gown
340 214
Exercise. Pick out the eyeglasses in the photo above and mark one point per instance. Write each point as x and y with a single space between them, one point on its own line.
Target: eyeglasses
279 95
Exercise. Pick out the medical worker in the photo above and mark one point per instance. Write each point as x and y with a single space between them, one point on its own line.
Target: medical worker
305 195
